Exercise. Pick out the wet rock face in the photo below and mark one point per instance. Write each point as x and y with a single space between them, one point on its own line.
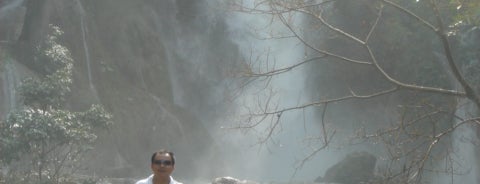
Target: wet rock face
355 168
127 55
10 12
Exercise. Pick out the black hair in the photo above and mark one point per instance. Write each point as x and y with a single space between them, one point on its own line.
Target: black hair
163 151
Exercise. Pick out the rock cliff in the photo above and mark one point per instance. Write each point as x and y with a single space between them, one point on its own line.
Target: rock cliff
132 57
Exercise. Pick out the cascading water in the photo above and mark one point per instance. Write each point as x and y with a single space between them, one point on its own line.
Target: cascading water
10 81
462 162
9 6
185 48
161 109
193 62
84 30
271 47
8 17
10 12
464 143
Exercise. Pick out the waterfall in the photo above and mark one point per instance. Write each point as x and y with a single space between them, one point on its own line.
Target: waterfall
186 48
11 14
10 80
84 29
265 46
166 113
174 50
464 144
464 159
8 17
9 7
195 64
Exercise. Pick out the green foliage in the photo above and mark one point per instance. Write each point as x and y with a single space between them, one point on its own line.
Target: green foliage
96 116
51 56
51 89
468 11
50 139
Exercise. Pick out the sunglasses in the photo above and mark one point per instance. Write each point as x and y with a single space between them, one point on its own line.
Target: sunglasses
164 162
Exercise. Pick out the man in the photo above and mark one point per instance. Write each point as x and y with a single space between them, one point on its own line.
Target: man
162 165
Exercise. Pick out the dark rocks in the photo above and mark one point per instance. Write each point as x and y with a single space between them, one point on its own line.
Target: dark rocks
230 180
355 168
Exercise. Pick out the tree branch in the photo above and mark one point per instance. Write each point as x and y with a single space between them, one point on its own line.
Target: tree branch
470 93
408 12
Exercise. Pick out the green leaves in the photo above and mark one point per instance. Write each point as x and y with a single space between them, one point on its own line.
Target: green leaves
468 11
43 132
97 117
49 90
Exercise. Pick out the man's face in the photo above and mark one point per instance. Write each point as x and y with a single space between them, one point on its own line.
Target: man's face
162 165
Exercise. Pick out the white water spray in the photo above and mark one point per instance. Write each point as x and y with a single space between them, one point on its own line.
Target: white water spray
10 81
11 15
245 160
464 143
83 26
166 113
464 140
265 45
9 7
463 161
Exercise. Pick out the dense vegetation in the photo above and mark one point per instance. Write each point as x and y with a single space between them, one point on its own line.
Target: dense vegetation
43 141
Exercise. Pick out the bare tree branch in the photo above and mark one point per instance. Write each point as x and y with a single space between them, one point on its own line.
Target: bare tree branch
410 13
374 61
285 69
470 93
379 15
411 86
418 146
317 103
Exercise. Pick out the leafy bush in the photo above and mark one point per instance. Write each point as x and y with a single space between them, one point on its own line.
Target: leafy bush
45 140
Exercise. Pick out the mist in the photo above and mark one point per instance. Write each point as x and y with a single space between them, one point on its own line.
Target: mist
251 90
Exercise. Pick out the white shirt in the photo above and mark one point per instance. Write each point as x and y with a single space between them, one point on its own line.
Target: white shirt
150 178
